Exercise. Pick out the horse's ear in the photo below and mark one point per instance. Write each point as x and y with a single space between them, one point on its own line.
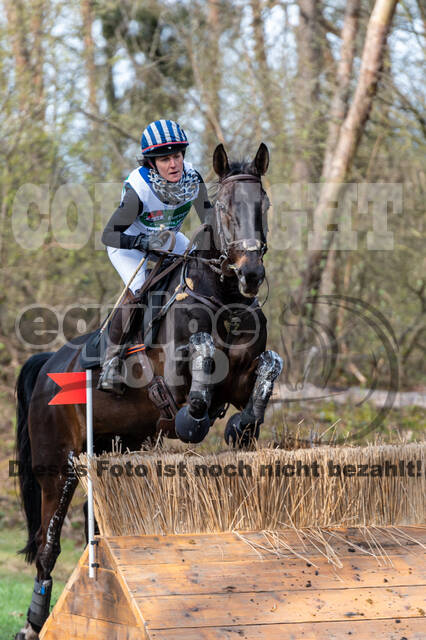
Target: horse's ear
261 161
220 161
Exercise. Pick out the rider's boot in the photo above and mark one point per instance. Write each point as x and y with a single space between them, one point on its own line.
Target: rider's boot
112 378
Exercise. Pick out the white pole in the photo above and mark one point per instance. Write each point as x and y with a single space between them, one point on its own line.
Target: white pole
89 443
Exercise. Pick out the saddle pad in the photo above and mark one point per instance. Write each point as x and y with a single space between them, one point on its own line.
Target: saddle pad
90 356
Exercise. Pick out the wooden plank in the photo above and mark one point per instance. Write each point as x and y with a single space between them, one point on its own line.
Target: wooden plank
101 598
226 547
282 607
105 558
269 575
71 627
103 555
411 629
60 601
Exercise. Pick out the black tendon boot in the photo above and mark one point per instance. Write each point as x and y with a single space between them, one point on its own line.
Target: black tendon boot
112 378
38 611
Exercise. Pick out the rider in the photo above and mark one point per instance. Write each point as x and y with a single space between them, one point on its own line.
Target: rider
156 196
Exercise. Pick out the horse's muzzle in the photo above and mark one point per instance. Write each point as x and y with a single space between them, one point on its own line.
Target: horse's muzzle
249 280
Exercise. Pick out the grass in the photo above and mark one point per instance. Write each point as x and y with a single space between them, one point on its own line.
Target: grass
17 579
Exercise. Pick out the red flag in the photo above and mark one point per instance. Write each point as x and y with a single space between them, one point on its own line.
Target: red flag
73 385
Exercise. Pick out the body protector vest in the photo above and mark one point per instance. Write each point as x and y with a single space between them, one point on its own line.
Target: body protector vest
155 212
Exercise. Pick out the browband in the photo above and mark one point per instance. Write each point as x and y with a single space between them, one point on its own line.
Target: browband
241 177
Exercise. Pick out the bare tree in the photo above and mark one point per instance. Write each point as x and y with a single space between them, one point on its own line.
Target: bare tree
340 99
89 52
348 140
307 88
270 93
212 75
26 34
338 110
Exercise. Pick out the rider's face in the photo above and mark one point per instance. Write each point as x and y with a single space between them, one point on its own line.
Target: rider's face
170 167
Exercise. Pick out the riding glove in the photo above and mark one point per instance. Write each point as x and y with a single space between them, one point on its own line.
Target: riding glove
148 243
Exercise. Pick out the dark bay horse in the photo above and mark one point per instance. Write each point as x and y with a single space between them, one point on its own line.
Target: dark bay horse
210 350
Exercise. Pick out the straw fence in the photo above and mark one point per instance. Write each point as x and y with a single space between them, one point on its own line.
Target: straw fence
156 492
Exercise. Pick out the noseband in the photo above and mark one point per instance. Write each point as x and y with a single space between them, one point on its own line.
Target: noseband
245 244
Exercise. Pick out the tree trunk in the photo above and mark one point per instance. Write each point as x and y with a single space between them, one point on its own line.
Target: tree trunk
16 21
24 20
37 18
89 52
205 62
348 140
344 70
270 94
307 89
338 111
212 77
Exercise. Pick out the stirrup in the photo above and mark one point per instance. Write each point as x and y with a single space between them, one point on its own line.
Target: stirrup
111 379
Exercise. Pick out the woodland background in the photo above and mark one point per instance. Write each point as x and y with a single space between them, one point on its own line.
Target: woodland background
335 88
317 81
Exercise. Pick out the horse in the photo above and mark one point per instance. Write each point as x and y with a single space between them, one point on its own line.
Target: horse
209 353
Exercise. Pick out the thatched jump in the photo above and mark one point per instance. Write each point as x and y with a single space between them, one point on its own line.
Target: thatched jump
294 575
163 493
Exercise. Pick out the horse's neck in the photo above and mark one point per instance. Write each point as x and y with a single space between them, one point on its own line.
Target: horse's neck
208 282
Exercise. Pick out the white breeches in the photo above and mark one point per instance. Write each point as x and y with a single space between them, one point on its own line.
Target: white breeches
125 261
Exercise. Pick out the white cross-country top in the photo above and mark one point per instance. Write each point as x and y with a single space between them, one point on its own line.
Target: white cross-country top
155 212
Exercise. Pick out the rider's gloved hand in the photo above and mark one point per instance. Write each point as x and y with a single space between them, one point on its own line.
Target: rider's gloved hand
149 243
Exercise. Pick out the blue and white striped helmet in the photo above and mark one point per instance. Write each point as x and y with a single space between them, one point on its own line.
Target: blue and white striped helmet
163 137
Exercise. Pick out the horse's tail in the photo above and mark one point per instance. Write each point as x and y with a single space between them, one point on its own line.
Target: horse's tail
30 489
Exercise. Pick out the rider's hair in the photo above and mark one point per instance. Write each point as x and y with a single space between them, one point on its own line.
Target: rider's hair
144 162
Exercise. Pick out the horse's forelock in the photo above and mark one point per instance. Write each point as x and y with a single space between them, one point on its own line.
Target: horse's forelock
242 166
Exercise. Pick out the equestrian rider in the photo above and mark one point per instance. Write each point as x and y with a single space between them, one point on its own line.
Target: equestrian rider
156 196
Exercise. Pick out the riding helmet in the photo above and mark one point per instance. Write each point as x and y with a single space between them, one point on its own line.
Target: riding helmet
162 137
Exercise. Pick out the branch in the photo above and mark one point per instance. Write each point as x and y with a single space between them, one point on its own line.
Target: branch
107 123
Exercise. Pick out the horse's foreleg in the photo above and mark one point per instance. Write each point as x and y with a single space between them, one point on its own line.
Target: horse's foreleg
201 349
57 493
192 421
243 427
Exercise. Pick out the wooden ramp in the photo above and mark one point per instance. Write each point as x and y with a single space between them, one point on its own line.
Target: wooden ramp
226 586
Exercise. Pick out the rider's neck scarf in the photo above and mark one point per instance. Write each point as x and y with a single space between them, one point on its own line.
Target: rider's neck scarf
174 192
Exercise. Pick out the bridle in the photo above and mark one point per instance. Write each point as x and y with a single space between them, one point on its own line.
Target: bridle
244 244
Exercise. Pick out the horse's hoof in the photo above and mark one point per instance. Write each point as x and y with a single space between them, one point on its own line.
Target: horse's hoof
197 405
27 633
190 429
240 436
